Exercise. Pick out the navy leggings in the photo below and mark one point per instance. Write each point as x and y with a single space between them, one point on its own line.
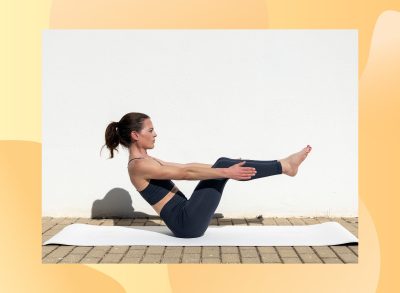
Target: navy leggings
189 218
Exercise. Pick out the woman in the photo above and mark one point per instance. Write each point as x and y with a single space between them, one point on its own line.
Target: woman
151 176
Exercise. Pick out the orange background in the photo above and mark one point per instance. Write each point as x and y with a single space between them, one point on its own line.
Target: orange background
378 24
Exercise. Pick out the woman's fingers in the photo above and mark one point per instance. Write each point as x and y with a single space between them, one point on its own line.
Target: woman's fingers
247 174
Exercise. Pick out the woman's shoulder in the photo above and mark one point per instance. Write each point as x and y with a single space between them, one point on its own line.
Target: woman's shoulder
135 164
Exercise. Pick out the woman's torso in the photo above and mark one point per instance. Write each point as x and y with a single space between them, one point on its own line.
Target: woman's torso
141 183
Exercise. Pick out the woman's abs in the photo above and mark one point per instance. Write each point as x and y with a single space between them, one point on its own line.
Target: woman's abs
160 204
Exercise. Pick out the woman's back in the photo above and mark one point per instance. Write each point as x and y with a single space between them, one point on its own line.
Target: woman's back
157 192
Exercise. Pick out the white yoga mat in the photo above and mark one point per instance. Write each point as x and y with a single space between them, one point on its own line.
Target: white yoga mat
329 233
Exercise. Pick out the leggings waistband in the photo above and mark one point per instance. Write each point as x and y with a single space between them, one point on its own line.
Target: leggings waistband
167 210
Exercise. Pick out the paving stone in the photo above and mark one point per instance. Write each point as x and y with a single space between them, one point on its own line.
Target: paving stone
124 222
172 253
210 260
248 252
210 251
351 220
136 253
229 249
138 223
268 221
324 251
102 247
61 251
214 222
239 222
72 258
310 258
45 238
108 222
349 258
46 219
112 258
88 259
230 258
266 249
54 230
331 260
137 247
286 251
191 258
224 222
97 252
159 222
173 248
118 249
47 249
324 219
283 222
353 248
82 221
310 221
291 260
152 258
296 222
255 224
254 221
247 247
192 249
47 226
139 220
81 249
270 258
96 222
130 260
353 228
170 260
303 249
340 249
155 250
67 221
49 259
152 223
251 260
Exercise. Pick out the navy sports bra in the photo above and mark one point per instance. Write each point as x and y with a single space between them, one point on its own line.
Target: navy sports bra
157 189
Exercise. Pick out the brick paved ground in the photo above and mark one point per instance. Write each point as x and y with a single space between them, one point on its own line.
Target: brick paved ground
197 254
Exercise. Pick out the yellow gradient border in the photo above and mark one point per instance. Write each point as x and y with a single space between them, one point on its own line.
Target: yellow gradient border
378 24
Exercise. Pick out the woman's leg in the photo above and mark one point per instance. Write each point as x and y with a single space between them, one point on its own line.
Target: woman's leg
202 204
263 168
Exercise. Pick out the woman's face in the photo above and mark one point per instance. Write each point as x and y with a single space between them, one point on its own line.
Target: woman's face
146 137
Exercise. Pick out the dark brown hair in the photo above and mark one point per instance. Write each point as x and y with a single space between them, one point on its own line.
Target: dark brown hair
120 132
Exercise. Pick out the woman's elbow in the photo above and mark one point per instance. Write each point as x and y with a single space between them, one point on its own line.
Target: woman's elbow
186 174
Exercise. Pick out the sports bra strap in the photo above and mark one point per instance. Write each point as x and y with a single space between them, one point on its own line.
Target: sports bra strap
133 159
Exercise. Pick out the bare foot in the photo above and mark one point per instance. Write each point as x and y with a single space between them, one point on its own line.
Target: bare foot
291 164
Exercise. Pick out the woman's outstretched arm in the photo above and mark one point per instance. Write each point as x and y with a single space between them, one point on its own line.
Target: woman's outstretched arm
183 165
198 165
155 171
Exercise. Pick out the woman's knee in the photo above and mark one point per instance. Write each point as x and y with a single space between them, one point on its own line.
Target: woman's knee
219 160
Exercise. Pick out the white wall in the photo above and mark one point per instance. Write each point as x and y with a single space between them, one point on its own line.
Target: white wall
255 94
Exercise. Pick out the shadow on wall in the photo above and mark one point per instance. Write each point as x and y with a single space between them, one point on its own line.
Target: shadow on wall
117 203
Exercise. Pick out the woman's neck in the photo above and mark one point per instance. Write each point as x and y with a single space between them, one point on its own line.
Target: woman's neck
135 153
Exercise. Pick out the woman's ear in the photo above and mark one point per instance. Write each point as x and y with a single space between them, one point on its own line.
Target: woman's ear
135 135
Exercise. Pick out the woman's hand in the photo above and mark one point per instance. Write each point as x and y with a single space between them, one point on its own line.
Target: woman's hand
237 172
